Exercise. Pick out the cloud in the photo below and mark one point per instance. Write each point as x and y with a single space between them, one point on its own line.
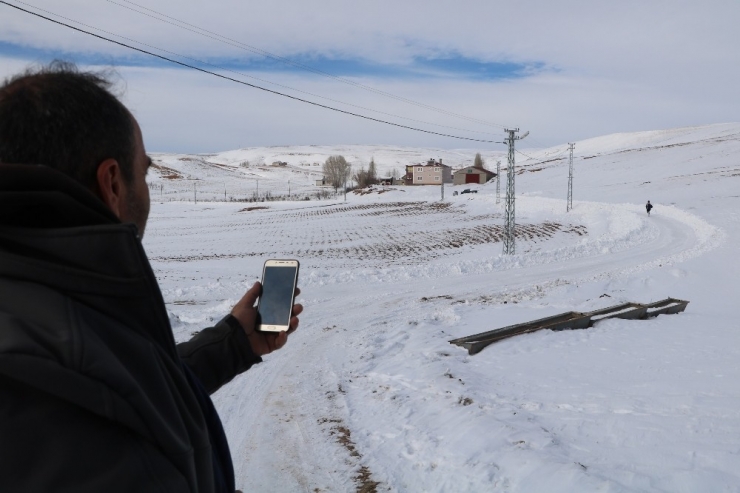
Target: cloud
565 70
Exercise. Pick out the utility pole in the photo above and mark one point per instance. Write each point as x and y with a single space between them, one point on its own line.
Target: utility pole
509 222
443 187
195 194
258 190
569 205
498 181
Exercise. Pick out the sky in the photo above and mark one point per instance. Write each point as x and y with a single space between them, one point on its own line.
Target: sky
564 71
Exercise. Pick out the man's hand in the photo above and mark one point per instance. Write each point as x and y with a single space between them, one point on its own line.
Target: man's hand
246 313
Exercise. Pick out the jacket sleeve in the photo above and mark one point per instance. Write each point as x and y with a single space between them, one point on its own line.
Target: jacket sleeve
217 354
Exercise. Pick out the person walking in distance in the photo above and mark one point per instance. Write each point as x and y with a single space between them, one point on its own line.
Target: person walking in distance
648 207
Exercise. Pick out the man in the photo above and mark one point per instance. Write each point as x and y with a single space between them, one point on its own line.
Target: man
648 207
94 393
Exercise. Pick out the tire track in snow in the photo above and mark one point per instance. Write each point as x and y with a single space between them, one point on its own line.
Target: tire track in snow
296 425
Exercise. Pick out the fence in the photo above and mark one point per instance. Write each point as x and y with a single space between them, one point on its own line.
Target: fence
210 191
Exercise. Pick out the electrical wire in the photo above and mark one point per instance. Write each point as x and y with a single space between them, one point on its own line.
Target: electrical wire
549 158
244 46
161 57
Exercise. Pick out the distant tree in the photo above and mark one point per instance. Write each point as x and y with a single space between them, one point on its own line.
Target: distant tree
365 178
336 171
479 162
361 177
372 173
394 174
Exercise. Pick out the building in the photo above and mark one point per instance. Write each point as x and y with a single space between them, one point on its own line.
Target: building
432 173
472 174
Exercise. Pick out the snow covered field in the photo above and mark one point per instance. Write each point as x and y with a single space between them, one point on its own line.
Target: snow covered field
368 395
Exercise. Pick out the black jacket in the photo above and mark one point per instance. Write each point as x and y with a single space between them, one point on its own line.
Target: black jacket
94 393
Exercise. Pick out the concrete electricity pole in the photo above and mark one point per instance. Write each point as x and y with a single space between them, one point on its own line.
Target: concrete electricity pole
498 181
569 205
509 222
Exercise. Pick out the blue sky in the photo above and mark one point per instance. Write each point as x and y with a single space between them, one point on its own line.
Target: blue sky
446 66
576 71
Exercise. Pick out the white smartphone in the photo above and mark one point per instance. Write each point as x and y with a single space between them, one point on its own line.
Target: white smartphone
279 280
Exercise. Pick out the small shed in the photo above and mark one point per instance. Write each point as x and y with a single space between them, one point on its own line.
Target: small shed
472 174
389 180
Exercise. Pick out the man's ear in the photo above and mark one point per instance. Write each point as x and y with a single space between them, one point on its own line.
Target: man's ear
111 187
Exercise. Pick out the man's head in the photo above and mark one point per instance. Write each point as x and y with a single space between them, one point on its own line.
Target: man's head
69 120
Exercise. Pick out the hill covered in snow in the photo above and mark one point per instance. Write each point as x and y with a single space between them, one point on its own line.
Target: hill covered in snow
245 172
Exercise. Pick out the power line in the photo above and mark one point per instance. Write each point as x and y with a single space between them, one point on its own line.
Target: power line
539 145
238 44
247 75
548 158
161 57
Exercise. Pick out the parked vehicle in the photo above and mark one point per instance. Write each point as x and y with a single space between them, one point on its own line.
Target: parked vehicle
467 190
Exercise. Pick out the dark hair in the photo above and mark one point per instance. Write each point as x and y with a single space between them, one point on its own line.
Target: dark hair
66 119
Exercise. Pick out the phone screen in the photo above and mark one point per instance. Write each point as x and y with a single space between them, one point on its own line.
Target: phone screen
276 302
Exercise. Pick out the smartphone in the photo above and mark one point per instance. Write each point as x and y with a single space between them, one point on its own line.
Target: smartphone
279 280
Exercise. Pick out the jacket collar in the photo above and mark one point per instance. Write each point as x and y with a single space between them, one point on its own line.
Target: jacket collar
55 232
38 196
